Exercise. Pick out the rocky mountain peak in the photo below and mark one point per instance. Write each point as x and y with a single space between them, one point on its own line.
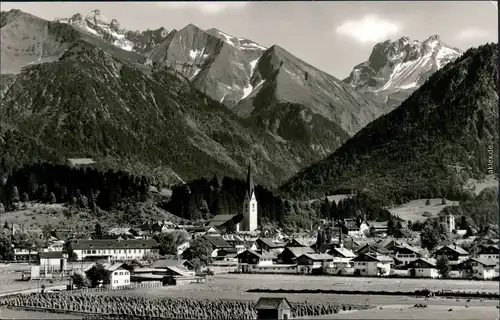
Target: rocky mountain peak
395 69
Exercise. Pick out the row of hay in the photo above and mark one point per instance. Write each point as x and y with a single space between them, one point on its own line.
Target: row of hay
114 307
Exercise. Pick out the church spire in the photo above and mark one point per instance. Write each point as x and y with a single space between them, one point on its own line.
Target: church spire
250 187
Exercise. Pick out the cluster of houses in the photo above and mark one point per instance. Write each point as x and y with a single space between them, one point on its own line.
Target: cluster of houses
383 258
249 254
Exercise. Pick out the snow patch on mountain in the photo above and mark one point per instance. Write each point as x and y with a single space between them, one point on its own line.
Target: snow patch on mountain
400 67
236 42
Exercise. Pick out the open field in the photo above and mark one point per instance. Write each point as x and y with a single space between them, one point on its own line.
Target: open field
477 186
234 287
403 312
414 210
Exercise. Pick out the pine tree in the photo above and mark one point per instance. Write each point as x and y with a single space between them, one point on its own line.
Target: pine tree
15 194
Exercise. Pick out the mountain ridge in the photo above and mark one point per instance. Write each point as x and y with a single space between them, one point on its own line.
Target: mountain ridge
427 147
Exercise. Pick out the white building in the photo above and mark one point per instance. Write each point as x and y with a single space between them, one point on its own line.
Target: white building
119 276
55 259
405 253
250 207
423 268
113 250
372 264
489 253
479 269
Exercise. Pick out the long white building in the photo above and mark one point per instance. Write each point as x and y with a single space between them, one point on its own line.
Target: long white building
113 250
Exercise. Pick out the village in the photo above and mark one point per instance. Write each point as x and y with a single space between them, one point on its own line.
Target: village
234 244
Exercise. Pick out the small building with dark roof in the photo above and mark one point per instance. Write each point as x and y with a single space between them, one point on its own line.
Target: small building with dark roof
267 244
290 254
423 268
273 308
454 253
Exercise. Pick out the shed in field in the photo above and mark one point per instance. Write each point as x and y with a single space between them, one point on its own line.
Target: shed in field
273 308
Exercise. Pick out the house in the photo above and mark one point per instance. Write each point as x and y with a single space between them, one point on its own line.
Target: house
53 259
269 245
290 254
454 253
478 269
180 264
119 275
294 243
248 260
379 228
373 248
489 252
227 222
219 244
57 245
341 252
423 268
113 250
196 231
255 258
372 264
313 262
273 308
404 253
354 228
237 242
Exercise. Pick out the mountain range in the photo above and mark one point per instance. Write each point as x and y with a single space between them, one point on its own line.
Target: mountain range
437 139
191 102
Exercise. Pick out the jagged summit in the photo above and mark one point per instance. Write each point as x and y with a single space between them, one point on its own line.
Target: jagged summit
397 68
97 24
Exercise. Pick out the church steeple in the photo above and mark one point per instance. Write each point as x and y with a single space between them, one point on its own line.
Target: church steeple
250 187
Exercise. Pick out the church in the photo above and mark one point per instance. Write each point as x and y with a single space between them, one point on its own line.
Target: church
247 220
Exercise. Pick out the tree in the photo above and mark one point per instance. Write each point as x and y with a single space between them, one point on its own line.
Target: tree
150 257
98 231
169 242
15 194
202 249
432 234
79 280
25 197
6 251
325 209
98 273
443 266
429 237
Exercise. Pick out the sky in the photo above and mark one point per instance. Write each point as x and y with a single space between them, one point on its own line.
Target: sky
332 36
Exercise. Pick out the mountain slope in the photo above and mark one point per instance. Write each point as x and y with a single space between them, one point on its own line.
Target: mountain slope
395 69
216 63
427 147
28 40
95 103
